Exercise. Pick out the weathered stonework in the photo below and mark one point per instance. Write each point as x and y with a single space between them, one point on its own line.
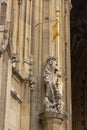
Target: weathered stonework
52 120
53 99
26 46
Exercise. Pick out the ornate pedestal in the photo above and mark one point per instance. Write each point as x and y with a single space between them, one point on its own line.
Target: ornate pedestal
52 120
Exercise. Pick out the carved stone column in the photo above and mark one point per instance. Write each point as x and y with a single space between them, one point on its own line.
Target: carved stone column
68 63
52 120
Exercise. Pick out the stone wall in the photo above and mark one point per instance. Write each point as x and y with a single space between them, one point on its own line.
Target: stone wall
31 34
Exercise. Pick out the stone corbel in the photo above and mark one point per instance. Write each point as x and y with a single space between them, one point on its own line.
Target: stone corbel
52 120
15 58
60 116
15 70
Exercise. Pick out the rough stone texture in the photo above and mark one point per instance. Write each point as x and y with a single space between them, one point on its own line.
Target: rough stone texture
31 25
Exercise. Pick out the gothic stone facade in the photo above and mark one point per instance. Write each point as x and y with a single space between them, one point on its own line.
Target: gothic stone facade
25 46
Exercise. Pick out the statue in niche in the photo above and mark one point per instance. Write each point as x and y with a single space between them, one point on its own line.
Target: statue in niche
51 82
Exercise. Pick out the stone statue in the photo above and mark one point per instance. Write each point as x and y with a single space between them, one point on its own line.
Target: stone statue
53 99
51 82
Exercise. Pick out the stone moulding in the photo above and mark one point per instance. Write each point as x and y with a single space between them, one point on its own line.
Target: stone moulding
30 80
61 116
16 73
15 96
52 120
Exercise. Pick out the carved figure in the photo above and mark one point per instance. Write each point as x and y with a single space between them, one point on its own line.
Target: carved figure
7 40
15 58
51 82
32 81
54 99
4 43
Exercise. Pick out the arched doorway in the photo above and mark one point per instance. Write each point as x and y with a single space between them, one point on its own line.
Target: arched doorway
79 64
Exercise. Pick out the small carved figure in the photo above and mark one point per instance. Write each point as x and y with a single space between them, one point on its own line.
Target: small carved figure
32 81
15 58
4 43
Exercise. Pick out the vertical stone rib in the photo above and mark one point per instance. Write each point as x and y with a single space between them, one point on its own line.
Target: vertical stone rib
35 52
30 25
45 30
18 31
7 112
40 54
9 11
21 35
15 25
26 30
68 64
24 35
1 64
27 34
3 91
52 17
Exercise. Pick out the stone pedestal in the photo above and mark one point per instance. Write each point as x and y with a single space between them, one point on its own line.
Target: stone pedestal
52 120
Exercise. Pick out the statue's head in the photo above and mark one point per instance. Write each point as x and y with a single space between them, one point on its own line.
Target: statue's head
51 61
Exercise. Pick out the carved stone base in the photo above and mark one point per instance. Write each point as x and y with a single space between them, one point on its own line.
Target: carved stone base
52 120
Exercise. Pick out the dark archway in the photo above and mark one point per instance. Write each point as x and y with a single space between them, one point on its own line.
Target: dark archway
79 64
